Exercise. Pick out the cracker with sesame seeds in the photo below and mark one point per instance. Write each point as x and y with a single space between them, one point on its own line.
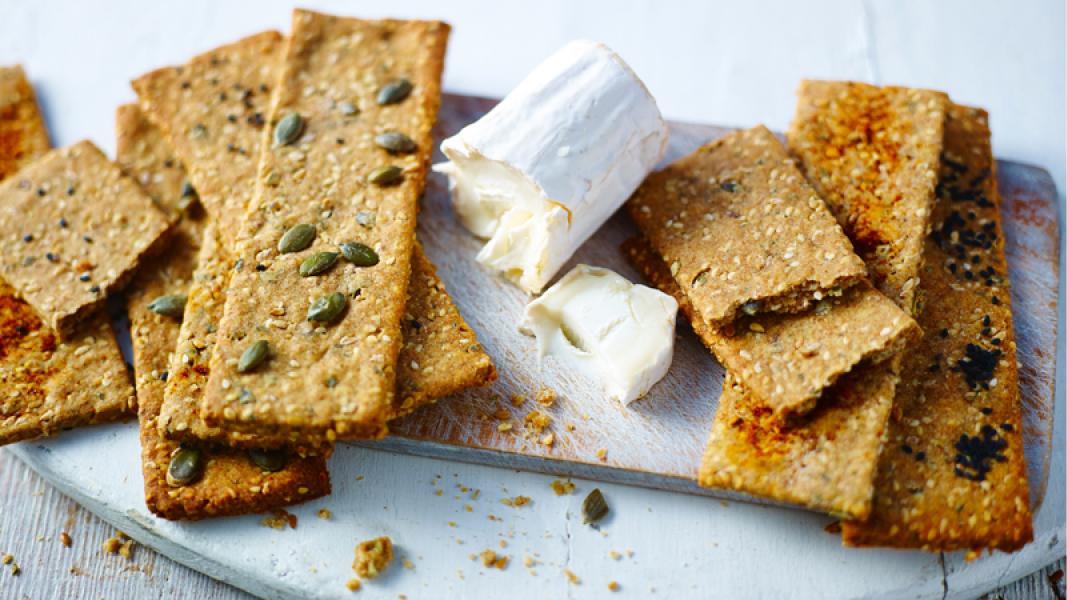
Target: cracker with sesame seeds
742 231
872 153
952 475
72 230
212 111
23 136
824 460
230 483
330 369
48 385
792 357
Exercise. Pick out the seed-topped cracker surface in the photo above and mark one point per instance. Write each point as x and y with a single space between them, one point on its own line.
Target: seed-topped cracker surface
872 153
328 367
213 112
48 385
953 473
217 481
23 136
72 229
742 231
824 460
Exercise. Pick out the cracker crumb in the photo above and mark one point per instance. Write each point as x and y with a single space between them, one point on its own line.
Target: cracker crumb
571 577
408 564
548 440
615 555
280 519
501 414
372 556
64 538
546 396
7 559
15 569
353 585
325 514
537 421
516 502
111 545
528 561
494 560
518 400
126 550
504 427
613 586
563 487
602 453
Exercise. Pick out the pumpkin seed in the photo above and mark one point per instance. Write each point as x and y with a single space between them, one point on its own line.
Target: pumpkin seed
288 129
269 460
169 305
297 238
253 356
395 142
347 109
394 91
358 254
317 263
185 467
385 175
327 308
594 507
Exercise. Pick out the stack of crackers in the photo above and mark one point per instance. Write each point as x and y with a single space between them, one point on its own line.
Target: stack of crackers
261 216
855 288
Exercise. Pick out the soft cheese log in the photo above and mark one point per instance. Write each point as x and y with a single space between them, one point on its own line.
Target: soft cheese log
547 166
614 331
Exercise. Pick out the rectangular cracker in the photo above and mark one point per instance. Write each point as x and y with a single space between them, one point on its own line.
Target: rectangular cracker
338 379
47 385
72 229
872 153
824 460
440 356
212 111
793 356
952 475
742 231
230 484
23 136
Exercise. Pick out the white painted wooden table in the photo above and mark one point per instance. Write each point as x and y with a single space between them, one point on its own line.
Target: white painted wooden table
724 64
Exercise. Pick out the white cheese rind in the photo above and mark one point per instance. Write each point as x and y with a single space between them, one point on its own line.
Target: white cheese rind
611 330
543 170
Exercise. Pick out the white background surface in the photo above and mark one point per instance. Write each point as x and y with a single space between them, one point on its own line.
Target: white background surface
733 64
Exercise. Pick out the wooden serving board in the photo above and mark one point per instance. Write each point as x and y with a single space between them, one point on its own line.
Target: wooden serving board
657 442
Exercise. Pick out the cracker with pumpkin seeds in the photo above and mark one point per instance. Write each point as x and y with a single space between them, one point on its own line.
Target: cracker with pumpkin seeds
212 111
329 366
23 136
793 356
216 481
872 153
742 231
952 475
49 386
440 356
72 230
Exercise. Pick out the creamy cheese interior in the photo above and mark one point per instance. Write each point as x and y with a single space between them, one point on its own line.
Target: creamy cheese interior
614 332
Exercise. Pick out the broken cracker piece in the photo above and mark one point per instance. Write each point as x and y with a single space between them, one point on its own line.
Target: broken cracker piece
72 230
372 557
23 136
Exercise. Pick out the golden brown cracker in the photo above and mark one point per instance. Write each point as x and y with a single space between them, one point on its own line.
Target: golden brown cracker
336 378
952 475
742 231
872 154
23 136
72 230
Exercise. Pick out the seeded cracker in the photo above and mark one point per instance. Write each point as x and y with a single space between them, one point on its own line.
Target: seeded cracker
47 386
952 475
873 153
23 136
230 483
333 376
742 231
72 229
823 460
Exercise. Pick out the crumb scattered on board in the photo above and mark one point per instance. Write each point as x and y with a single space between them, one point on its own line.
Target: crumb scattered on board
279 519
562 488
372 557
517 501
494 560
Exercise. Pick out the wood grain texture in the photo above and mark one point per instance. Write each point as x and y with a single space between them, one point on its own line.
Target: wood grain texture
34 514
